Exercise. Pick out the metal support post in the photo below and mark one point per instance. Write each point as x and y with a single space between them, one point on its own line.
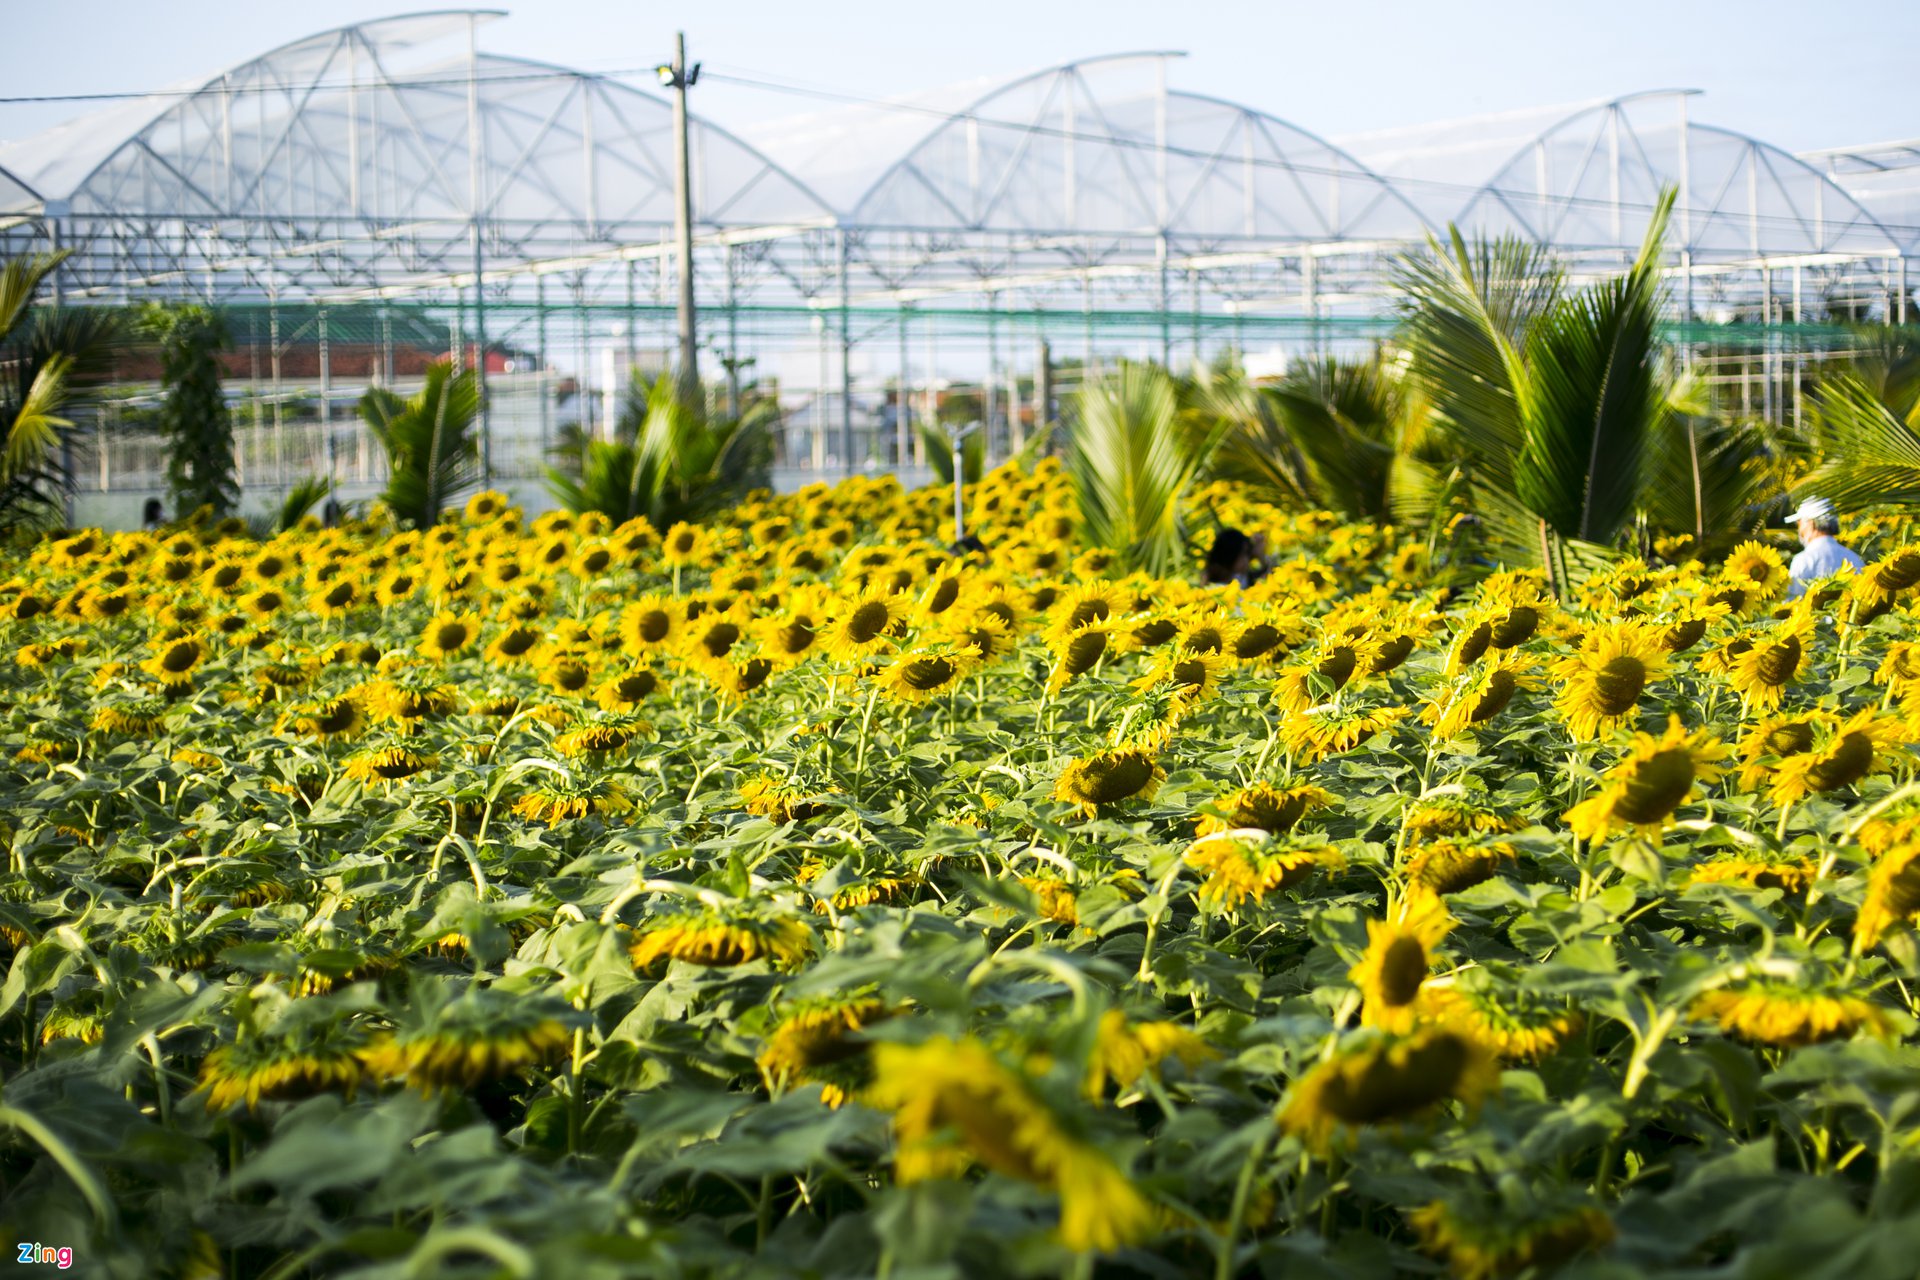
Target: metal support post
326 399
1043 388
902 404
680 77
990 400
846 357
542 390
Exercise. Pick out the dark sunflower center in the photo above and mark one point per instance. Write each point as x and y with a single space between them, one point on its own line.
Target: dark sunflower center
1517 627
1473 643
1789 739
1155 632
518 641
796 637
1495 697
1257 639
720 638
180 657
1779 660
597 560
1275 813
1206 640
1617 685
1111 780
868 621
654 625
1656 787
925 674
450 635
1845 765
753 674
1683 635
1338 664
1190 673
1899 571
1391 653
1403 968
1083 651
1088 611
636 685
1386 1089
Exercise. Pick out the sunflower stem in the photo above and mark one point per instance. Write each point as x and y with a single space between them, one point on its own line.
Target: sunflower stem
866 724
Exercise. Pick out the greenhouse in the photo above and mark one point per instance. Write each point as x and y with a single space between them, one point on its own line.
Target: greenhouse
869 262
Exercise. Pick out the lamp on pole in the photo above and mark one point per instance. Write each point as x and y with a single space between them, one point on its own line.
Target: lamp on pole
679 77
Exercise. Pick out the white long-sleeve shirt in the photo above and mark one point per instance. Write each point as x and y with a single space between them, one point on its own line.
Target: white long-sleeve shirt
1822 558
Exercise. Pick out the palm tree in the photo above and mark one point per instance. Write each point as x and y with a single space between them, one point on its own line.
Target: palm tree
1554 399
1872 452
1868 425
47 356
1131 458
669 460
432 453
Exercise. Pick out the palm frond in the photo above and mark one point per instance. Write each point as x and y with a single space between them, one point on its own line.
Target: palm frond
1131 459
1595 397
20 280
1873 456
36 426
429 441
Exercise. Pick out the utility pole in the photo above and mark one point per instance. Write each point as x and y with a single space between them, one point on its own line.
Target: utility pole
679 77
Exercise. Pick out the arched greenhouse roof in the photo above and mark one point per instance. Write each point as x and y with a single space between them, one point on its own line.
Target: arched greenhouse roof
1585 180
331 141
347 165
1104 147
1884 178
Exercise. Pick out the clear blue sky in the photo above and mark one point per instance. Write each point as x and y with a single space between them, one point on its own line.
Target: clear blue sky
1793 73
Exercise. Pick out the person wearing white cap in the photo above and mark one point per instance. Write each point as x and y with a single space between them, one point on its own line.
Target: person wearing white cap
1823 555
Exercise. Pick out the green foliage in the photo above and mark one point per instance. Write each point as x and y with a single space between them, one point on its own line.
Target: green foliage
193 409
47 358
1132 456
429 441
669 459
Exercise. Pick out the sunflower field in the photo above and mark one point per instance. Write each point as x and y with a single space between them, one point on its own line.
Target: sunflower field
782 896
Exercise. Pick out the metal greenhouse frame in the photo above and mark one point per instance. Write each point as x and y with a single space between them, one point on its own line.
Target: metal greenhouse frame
392 187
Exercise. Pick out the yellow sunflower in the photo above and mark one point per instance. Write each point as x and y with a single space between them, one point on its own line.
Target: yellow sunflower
1108 778
1758 568
1237 869
920 674
1784 1014
1080 651
1127 1050
1477 697
955 1105
1654 779
1264 807
1761 673
1893 894
1480 1244
1601 682
1391 971
448 634
1841 753
1388 1080
721 937
1323 731
865 624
